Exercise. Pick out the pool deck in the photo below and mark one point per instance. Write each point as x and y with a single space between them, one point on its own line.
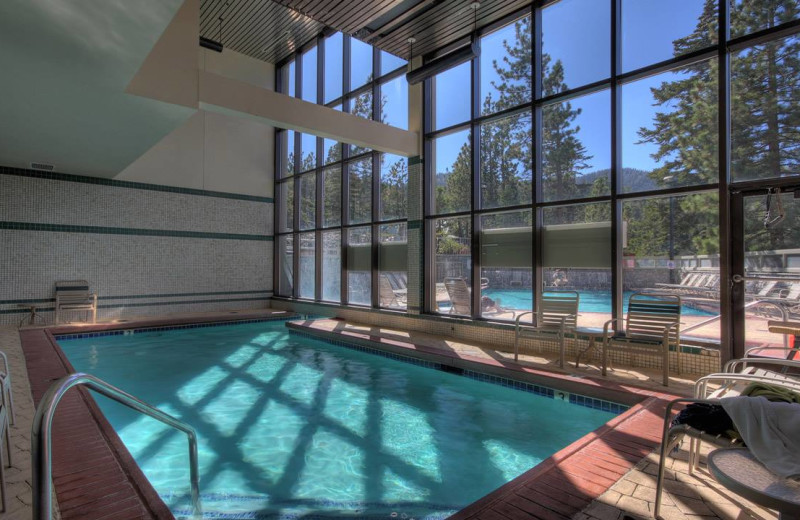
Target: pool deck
606 475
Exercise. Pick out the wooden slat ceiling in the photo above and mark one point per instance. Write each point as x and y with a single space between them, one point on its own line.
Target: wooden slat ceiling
272 29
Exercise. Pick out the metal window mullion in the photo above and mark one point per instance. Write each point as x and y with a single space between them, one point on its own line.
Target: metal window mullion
732 299
475 192
376 187
428 251
296 235
345 190
537 282
616 162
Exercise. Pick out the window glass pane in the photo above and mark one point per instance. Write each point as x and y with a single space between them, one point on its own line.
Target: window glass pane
571 62
361 105
333 66
668 239
506 264
332 266
505 68
748 16
286 265
360 177
390 62
453 265
308 271
287 152
576 256
308 201
765 113
452 180
359 266
332 196
286 204
656 31
393 260
332 151
576 148
451 96
360 63
506 159
287 79
310 75
394 103
669 129
394 186
308 157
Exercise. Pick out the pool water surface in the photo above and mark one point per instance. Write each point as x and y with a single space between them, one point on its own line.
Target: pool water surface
290 426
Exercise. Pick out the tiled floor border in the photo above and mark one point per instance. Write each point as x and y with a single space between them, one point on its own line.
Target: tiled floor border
569 480
94 475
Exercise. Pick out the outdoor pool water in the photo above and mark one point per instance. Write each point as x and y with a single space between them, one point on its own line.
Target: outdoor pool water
590 301
290 426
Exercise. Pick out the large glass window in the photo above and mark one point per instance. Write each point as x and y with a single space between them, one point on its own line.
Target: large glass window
286 205
452 270
451 98
390 62
394 103
308 152
286 143
307 265
506 154
394 187
748 16
657 31
393 265
506 264
451 184
308 200
360 177
332 266
576 147
286 263
670 134
359 265
333 67
501 85
569 61
360 63
310 75
332 196
765 111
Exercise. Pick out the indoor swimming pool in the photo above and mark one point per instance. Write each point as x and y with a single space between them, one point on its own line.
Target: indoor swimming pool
290 426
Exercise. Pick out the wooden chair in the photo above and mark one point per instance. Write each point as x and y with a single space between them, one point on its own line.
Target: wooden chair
651 326
555 317
74 295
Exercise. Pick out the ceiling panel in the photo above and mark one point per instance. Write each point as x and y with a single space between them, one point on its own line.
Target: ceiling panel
272 29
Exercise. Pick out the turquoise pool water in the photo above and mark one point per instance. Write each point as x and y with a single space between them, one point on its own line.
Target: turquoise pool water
590 301
290 426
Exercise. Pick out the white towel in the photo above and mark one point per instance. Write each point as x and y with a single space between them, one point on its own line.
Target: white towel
770 429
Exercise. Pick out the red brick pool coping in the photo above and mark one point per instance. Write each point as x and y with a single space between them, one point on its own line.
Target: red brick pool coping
569 480
95 476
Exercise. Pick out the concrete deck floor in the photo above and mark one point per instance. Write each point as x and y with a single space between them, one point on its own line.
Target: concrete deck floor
692 497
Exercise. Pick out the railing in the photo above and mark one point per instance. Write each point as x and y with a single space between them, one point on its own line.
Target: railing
41 434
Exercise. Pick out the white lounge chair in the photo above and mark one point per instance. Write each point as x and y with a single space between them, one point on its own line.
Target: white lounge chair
555 317
74 295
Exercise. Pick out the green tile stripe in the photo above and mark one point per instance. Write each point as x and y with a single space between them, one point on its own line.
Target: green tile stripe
140 296
412 161
414 224
21 172
64 228
145 304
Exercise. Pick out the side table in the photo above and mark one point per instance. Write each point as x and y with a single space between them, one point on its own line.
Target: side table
32 316
587 332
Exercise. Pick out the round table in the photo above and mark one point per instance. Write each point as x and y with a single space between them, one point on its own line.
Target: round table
738 470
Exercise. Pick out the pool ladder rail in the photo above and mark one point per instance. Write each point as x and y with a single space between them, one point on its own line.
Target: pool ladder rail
41 436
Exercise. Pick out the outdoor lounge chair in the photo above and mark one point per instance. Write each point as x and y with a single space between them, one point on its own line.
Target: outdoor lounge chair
710 389
387 295
5 462
651 326
74 295
461 299
555 317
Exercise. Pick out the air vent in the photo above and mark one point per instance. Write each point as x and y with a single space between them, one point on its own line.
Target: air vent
42 166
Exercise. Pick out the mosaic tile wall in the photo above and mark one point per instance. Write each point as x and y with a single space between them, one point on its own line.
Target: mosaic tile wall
415 236
500 337
144 249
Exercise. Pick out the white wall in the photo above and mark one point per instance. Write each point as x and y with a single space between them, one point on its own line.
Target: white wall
214 151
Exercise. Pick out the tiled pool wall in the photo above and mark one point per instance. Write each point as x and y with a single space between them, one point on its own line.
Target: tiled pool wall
694 360
144 249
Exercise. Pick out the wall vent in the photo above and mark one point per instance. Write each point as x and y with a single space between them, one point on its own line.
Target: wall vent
42 166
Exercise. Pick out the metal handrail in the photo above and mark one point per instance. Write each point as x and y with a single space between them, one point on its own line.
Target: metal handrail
41 433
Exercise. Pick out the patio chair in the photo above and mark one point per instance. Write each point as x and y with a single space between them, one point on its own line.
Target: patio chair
387 295
6 398
689 280
651 326
555 317
5 462
461 298
74 295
